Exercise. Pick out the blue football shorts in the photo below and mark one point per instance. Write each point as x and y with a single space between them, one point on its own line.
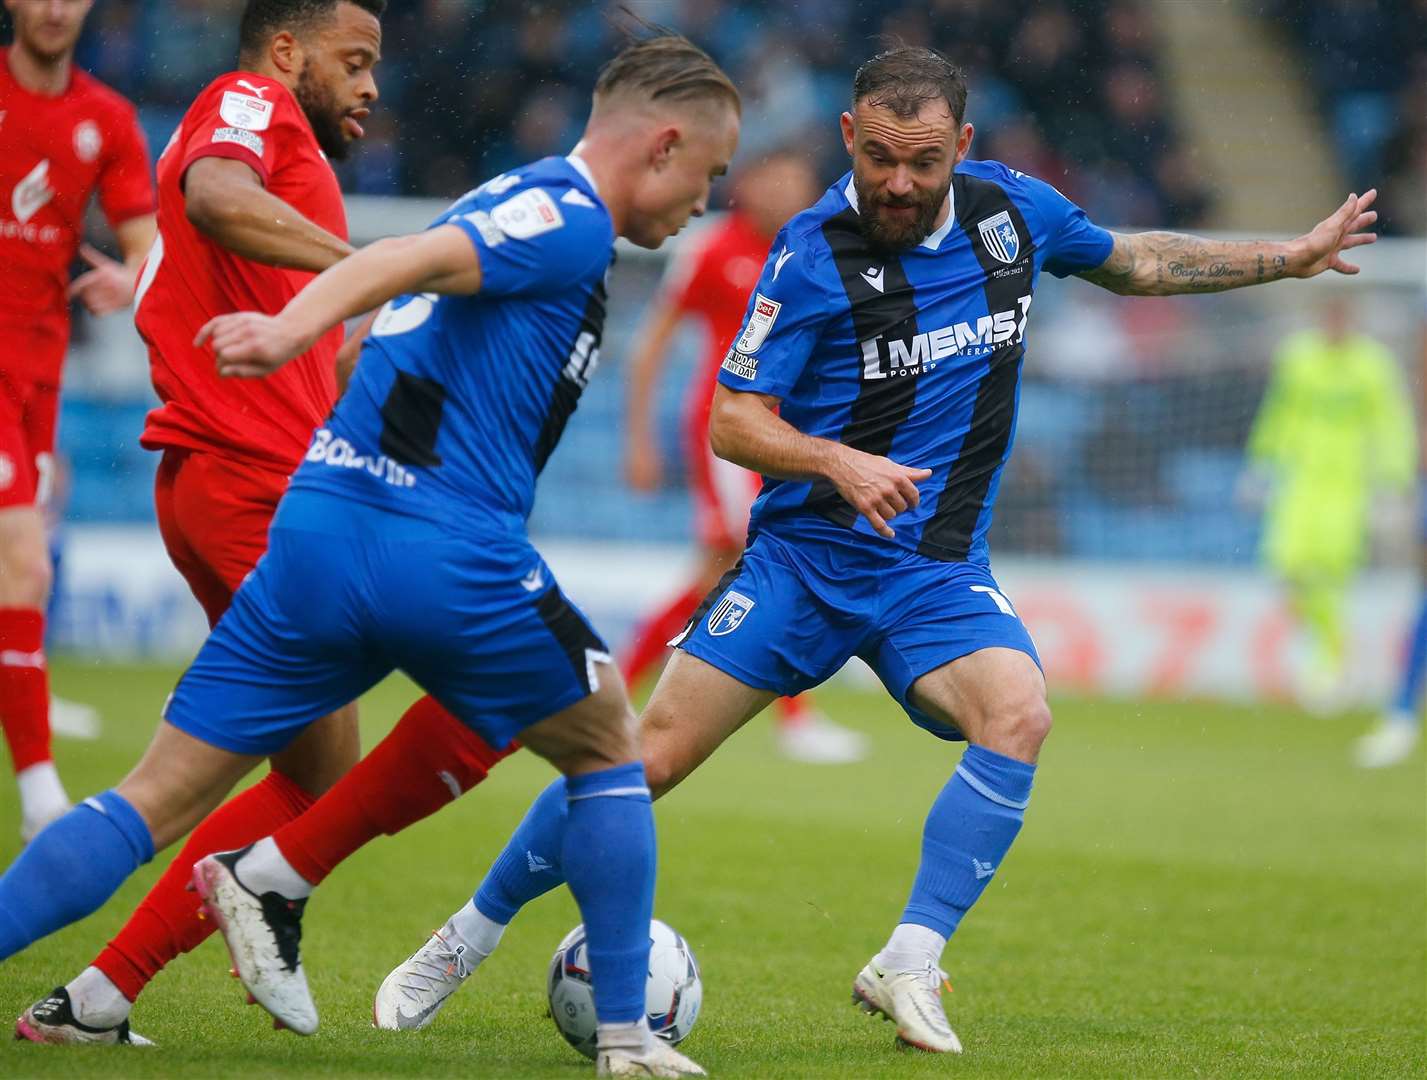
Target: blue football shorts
795 609
347 593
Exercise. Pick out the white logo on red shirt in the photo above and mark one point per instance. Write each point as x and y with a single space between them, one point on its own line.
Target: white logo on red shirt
242 138
259 90
7 472
32 192
246 112
87 141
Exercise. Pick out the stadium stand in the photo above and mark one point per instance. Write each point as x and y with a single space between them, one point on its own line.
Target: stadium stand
1368 64
1067 89
1133 414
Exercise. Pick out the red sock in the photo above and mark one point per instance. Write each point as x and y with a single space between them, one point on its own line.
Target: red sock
793 711
167 923
425 762
651 640
24 686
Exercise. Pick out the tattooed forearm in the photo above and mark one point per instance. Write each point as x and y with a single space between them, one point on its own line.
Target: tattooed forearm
1165 263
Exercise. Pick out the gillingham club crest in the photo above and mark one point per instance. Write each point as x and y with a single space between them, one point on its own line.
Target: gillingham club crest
999 235
728 614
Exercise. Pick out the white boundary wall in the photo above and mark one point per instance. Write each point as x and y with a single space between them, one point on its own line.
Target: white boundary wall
1126 630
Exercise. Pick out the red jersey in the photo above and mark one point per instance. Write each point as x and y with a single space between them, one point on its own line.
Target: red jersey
189 279
54 153
712 277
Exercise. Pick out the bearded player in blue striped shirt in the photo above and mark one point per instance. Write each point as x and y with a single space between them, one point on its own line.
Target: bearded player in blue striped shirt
875 385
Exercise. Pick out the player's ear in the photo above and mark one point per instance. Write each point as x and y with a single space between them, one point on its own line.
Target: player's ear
286 53
849 131
666 141
963 143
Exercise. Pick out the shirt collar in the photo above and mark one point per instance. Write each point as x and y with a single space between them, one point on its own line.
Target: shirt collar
934 240
578 164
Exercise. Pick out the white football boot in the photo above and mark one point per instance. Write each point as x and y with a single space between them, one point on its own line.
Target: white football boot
656 1059
816 740
912 1000
53 1021
74 719
1391 742
264 934
415 991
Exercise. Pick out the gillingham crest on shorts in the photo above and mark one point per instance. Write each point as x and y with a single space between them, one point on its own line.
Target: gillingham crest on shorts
760 321
728 614
999 235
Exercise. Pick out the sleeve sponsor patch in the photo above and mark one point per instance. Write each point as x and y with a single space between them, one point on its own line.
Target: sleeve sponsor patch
741 364
242 138
490 232
245 111
760 321
527 215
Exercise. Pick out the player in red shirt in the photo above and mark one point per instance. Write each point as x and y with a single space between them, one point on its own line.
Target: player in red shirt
249 212
710 280
64 136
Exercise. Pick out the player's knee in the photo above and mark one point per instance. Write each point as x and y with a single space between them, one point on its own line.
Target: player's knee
1018 729
660 771
26 574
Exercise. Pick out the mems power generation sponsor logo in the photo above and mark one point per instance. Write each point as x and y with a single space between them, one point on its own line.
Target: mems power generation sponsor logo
900 358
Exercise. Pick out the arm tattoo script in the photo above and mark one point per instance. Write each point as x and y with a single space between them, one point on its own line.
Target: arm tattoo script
1165 263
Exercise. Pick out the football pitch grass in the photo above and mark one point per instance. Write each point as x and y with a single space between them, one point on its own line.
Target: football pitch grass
1199 891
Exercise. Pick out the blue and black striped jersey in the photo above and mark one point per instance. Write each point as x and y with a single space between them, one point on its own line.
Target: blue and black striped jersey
915 356
458 401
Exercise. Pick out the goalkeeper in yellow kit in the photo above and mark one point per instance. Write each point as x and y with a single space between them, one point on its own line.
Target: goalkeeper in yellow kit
1335 428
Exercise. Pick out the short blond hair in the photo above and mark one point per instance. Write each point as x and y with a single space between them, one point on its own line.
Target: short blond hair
666 67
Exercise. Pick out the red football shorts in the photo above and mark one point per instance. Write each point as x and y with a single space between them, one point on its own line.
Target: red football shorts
29 412
214 515
723 493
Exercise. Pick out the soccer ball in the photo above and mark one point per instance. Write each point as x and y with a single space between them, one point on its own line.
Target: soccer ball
672 993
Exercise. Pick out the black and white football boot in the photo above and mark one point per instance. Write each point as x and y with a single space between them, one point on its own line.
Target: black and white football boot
264 935
52 1021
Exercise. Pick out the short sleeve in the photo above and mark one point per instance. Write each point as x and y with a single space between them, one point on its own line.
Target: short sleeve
1074 243
538 240
239 123
784 320
126 187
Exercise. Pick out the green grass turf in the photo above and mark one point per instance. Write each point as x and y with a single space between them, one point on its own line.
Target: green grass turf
1199 891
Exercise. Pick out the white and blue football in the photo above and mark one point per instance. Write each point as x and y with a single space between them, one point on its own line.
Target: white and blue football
672 993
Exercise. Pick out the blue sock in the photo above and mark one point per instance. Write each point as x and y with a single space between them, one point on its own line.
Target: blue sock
608 856
968 832
530 865
1409 698
70 869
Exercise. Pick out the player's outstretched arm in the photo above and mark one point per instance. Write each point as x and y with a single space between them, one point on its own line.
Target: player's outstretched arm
440 260
745 429
1166 263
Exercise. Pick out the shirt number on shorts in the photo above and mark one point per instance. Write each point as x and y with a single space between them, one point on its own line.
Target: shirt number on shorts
1000 601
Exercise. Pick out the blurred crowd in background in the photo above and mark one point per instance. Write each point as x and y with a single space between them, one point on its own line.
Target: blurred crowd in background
1134 414
1367 60
1068 90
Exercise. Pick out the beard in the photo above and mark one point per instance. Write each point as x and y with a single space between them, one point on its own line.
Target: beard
884 232
320 107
